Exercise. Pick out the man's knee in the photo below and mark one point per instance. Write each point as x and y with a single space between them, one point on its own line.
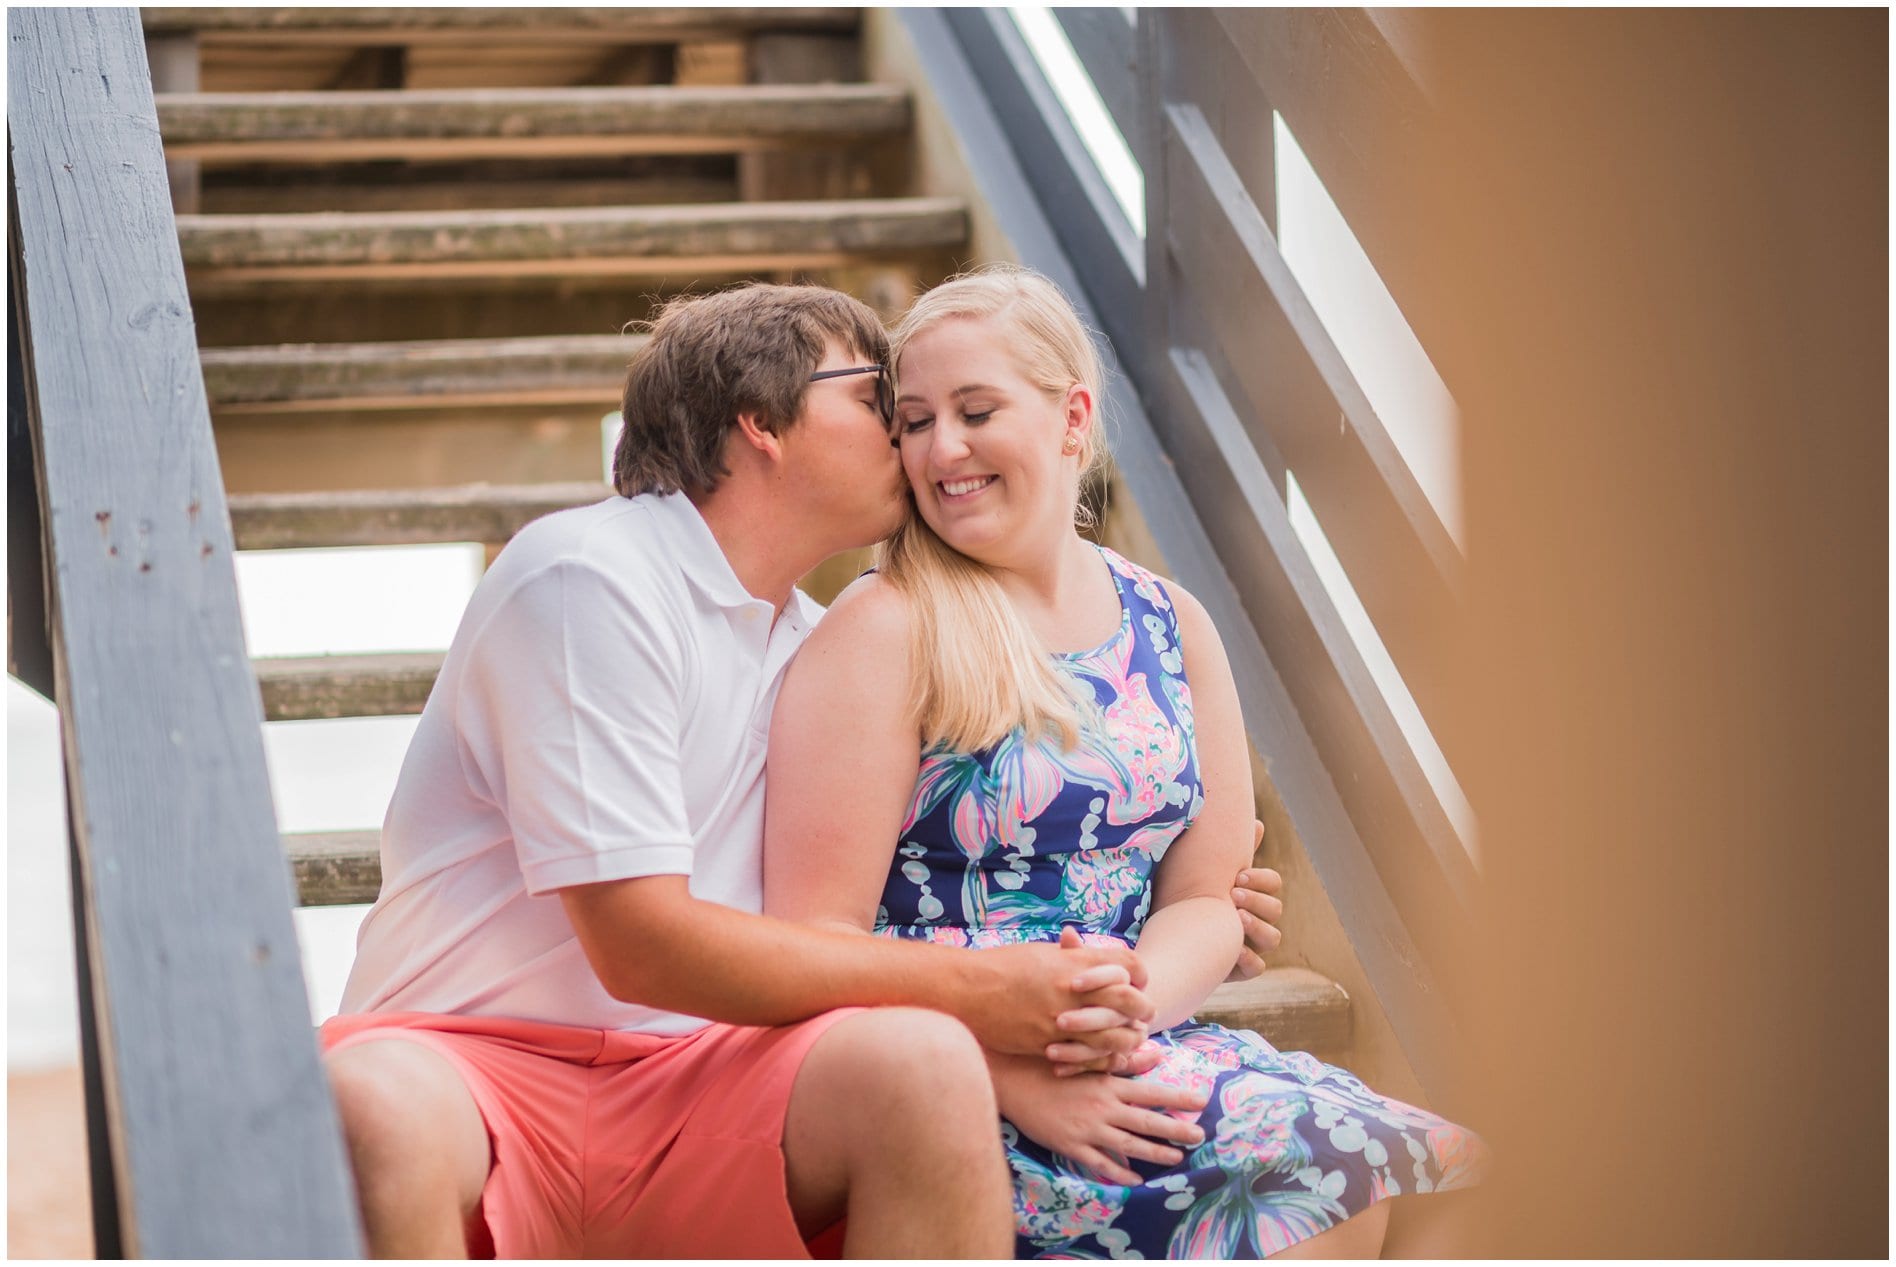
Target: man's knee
408 1117
900 1059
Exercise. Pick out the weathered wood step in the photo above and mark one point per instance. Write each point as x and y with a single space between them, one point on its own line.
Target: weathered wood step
338 868
522 122
364 517
423 374
629 25
567 241
1296 1009
305 688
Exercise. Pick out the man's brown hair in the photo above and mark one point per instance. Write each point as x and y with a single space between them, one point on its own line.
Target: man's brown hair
750 349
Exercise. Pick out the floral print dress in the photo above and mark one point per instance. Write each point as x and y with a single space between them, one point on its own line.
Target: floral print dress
1014 842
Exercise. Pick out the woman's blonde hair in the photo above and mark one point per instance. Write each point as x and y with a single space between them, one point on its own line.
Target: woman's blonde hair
977 669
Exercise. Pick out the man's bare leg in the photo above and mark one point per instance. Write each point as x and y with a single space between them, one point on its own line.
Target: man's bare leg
417 1145
892 1121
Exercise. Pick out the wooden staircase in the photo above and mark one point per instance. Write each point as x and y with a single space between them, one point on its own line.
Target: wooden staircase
506 189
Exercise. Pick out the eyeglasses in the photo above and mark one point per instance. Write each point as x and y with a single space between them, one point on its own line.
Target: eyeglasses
885 393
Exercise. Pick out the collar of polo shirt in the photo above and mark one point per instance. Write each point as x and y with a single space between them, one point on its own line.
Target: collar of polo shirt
702 560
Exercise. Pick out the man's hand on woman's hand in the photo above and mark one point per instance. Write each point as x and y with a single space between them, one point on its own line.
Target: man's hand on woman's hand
1257 895
1098 1120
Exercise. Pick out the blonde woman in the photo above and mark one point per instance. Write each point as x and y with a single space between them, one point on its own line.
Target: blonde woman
1008 733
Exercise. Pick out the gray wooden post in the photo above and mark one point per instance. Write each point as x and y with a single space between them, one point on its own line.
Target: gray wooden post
220 1138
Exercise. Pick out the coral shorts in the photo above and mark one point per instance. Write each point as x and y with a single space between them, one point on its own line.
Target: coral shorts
613 1144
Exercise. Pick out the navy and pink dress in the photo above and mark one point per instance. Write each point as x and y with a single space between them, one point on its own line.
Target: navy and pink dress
1014 842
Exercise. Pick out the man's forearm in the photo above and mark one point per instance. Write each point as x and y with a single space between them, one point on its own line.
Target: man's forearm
687 955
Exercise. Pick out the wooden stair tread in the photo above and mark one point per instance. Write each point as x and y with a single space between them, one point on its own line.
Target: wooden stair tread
588 369
625 25
339 868
1295 1009
362 517
563 241
304 688
513 122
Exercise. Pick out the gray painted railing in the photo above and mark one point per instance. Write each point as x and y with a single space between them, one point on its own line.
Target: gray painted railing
1230 382
213 1133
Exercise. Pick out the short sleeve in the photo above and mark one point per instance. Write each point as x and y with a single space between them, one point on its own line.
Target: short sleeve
570 704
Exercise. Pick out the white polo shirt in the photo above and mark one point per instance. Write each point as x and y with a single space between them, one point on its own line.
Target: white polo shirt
601 715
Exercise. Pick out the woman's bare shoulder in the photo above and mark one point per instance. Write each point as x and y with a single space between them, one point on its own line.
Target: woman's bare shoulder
869 608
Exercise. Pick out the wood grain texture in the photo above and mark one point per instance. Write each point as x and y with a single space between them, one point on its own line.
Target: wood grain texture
462 23
586 369
364 517
340 868
1295 1009
224 1140
306 688
564 241
484 122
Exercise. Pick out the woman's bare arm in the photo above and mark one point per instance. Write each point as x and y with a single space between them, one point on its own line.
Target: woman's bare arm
842 765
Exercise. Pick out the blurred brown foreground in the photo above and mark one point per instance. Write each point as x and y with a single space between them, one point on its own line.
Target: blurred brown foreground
1672 287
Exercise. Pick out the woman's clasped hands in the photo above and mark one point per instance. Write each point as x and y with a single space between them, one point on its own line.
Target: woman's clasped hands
1086 1099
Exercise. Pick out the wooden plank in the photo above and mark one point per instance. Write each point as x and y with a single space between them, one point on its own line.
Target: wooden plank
422 374
416 516
1107 43
1390 798
522 122
801 59
1200 66
1294 1009
1357 113
554 242
1093 230
1301 394
231 191
1403 981
310 687
409 448
341 868
470 24
224 1141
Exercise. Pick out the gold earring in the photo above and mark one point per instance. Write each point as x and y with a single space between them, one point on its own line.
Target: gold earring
1071 444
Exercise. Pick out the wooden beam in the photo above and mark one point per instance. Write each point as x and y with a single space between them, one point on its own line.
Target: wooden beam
365 517
465 24
1107 43
306 688
554 242
1357 113
1408 832
224 1142
1091 227
1301 394
522 122
422 374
